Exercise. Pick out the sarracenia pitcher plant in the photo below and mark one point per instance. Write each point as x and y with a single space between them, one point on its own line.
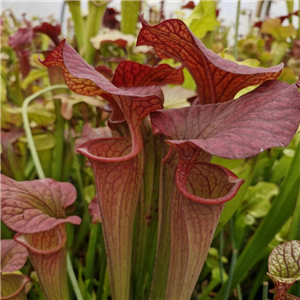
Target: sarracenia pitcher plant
159 195
36 211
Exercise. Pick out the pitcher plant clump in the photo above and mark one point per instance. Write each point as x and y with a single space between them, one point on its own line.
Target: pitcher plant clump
191 190
36 211
159 195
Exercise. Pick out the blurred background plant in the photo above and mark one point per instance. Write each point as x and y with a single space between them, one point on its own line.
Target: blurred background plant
265 212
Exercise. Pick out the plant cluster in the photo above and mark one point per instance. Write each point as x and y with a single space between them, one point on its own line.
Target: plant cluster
192 157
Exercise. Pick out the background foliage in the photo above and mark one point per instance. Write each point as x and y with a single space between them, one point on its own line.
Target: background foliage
265 212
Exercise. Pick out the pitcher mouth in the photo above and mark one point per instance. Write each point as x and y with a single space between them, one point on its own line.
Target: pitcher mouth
111 150
216 193
60 235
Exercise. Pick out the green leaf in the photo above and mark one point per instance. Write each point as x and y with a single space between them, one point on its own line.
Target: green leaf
246 173
10 116
213 259
288 74
203 18
4 82
293 65
214 281
279 32
283 234
90 254
250 62
294 232
280 167
281 210
89 192
40 115
258 198
250 47
44 143
176 97
32 76
68 101
3 88
189 82
13 154
36 113
278 50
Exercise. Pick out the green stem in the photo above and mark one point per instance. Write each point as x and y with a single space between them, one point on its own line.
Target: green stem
74 7
17 94
75 174
290 8
38 165
62 14
294 233
259 9
68 157
239 292
29 136
237 20
90 254
147 221
104 291
265 290
96 12
212 285
73 279
260 275
233 258
17 172
231 271
130 12
232 232
103 287
221 249
58 150
269 3
160 273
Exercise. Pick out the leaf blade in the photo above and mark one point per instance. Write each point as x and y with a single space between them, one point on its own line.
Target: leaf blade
217 79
